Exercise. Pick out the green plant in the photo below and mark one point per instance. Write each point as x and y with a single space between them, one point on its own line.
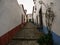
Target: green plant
45 40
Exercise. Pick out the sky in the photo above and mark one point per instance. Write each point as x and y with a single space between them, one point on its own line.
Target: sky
28 5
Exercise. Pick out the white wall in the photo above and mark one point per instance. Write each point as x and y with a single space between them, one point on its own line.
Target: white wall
10 15
56 23
37 5
23 13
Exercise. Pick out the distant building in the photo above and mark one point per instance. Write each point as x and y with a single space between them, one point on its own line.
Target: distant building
29 17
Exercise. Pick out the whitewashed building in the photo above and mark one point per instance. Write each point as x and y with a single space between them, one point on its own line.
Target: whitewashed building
23 11
56 24
10 19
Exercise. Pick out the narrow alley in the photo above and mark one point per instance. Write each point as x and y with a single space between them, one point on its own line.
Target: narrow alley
29 22
27 36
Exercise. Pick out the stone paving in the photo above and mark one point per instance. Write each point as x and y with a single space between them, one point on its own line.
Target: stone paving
27 36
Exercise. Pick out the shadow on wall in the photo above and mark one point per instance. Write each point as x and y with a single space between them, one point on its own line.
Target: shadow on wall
56 37
45 29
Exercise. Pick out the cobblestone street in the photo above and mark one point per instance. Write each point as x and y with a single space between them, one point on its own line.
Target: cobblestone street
27 36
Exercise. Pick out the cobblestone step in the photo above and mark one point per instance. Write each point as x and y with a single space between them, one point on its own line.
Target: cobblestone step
27 36
23 42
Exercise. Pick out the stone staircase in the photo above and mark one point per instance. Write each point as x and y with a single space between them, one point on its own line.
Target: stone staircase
27 36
